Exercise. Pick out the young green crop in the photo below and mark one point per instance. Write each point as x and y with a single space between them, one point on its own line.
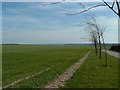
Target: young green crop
20 61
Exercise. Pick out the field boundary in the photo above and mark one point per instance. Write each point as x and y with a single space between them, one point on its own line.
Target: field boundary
63 78
30 76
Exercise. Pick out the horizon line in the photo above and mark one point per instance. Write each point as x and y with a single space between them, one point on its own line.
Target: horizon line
52 43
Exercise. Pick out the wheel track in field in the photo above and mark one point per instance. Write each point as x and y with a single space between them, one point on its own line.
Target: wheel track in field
63 78
27 77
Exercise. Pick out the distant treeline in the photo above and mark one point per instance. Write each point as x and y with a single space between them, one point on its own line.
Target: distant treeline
81 44
115 48
114 44
10 44
107 44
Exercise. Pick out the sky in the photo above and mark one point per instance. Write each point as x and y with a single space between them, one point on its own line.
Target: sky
43 23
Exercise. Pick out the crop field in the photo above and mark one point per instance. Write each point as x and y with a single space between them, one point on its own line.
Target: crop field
20 61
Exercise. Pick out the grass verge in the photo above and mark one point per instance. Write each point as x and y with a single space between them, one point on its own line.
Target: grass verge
93 74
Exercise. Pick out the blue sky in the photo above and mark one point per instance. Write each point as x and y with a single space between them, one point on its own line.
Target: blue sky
29 22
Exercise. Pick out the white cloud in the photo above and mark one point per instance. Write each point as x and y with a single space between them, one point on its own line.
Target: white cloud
111 37
111 24
19 19
59 33
14 10
59 36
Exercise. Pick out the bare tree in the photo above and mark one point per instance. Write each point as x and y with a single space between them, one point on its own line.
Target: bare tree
96 26
96 34
92 36
101 31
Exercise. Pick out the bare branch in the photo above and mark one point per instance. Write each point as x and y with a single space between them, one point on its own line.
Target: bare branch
82 5
113 4
118 7
105 4
110 7
86 9
53 3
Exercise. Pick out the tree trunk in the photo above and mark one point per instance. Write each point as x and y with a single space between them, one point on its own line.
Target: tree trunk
105 50
99 46
96 48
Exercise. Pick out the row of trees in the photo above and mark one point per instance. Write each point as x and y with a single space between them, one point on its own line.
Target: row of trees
95 31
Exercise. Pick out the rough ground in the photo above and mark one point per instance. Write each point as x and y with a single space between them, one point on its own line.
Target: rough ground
116 54
62 79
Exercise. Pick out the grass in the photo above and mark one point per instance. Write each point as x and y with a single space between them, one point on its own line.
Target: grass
93 75
20 61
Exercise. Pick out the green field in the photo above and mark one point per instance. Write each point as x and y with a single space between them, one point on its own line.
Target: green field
93 74
20 61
